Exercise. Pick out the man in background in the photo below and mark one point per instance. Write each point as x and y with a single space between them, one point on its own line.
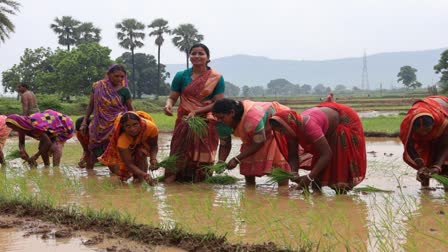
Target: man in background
29 101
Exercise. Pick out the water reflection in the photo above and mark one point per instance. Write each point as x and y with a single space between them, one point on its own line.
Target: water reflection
402 220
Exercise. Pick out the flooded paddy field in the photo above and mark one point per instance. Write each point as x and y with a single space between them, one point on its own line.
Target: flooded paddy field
405 219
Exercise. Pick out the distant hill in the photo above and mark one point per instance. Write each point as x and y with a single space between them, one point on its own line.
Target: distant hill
382 68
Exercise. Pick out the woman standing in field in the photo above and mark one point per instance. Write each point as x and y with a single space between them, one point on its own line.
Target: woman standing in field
134 139
333 134
424 133
4 133
199 87
50 127
249 121
109 98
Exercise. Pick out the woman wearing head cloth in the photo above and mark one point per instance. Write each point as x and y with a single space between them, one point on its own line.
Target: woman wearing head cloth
110 97
424 133
333 134
49 127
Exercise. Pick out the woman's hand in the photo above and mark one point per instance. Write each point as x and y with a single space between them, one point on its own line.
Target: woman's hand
32 160
153 164
303 182
24 155
191 114
423 173
150 180
168 110
84 129
435 169
233 163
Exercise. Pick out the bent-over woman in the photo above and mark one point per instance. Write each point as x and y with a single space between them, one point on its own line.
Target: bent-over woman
424 133
333 134
134 140
51 128
4 133
249 121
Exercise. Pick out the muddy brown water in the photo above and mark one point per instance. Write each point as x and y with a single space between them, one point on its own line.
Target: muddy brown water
405 219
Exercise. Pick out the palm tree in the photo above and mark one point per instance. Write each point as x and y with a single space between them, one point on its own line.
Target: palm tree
87 33
6 26
185 36
66 28
130 38
160 27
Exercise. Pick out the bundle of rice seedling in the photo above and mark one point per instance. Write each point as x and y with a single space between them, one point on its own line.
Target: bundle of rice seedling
441 179
218 168
278 175
13 155
169 163
370 189
198 127
221 180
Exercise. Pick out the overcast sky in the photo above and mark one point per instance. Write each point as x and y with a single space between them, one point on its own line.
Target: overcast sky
278 29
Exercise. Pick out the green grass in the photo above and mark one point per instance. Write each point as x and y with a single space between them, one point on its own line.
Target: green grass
386 124
279 175
370 189
221 180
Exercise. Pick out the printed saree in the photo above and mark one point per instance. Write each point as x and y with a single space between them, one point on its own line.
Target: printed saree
348 164
197 150
269 155
424 145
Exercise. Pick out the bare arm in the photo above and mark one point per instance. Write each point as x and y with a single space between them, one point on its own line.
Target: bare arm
129 105
126 156
25 102
170 102
84 128
153 150
225 145
442 153
325 154
44 147
293 156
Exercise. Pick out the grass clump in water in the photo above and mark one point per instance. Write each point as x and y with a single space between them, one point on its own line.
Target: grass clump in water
221 180
370 189
279 175
217 168
13 155
441 179
169 163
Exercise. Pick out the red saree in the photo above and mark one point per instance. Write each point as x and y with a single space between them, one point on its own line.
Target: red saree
269 155
192 152
424 145
348 164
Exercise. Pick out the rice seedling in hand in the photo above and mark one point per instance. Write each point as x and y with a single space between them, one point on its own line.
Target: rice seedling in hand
278 175
198 127
441 179
217 168
13 155
169 163
370 189
221 180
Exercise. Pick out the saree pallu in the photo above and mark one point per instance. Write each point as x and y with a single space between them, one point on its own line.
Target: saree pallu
58 126
195 150
108 104
4 131
139 151
425 146
348 164
269 156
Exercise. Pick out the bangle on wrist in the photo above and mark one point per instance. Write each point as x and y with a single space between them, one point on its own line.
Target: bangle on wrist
421 159
237 160
437 167
309 178
222 161
146 176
